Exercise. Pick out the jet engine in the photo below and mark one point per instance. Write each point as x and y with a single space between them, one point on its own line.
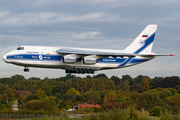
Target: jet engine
68 59
89 60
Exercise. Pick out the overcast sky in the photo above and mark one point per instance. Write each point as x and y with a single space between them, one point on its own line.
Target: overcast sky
106 24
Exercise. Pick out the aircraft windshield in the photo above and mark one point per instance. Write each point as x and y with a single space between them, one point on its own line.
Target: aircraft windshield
20 48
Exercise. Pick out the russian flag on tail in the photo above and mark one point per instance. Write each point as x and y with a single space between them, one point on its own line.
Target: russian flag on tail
144 36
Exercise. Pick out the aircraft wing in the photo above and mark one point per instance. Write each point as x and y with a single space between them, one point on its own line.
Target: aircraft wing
75 51
103 54
84 52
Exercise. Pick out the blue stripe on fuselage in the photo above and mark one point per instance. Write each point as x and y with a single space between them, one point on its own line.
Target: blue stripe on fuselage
37 57
125 62
121 60
34 57
134 61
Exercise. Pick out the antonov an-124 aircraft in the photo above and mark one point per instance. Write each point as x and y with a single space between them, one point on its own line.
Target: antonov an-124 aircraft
81 60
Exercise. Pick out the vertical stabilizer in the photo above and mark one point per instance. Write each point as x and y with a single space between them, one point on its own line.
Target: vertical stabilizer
144 41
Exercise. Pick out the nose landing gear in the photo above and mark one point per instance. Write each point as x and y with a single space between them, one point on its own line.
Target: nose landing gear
26 69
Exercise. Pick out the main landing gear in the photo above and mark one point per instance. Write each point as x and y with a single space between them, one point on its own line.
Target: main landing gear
26 69
81 71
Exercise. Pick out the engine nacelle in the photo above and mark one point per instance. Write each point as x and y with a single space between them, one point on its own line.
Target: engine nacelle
68 59
89 60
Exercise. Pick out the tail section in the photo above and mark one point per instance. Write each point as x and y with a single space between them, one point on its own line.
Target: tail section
144 41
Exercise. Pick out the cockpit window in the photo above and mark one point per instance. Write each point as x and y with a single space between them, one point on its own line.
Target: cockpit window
20 48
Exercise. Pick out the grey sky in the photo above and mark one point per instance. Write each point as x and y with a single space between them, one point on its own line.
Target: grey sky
106 24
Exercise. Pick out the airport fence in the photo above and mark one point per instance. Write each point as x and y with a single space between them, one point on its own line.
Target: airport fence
10 116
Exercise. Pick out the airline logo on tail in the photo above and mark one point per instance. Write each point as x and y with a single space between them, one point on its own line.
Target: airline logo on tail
141 42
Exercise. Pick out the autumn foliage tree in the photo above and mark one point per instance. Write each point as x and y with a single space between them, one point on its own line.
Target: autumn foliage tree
40 93
54 94
92 96
146 83
73 92
110 99
8 94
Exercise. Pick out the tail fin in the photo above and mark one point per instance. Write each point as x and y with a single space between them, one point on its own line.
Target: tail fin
144 41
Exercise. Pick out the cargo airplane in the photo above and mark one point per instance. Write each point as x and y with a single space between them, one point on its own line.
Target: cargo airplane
81 60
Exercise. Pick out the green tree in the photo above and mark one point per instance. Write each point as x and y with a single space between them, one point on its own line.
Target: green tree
73 92
34 78
21 101
156 111
67 77
167 82
18 77
38 105
8 82
126 86
40 93
59 88
146 83
92 96
173 91
67 104
100 76
155 82
139 78
116 80
32 97
110 99
148 100
79 98
8 94
47 89
128 77
2 88
137 88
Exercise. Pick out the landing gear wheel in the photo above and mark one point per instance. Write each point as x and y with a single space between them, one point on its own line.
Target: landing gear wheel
81 71
67 71
26 69
92 72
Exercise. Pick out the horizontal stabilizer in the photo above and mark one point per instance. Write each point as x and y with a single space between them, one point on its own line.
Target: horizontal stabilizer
154 55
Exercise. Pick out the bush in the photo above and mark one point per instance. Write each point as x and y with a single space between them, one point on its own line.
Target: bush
167 108
25 111
112 114
156 111
32 97
38 105
168 116
176 109
129 113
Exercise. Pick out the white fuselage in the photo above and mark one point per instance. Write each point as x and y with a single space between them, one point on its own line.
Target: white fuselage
47 57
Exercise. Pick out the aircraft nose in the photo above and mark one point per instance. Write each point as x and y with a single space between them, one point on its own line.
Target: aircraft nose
4 58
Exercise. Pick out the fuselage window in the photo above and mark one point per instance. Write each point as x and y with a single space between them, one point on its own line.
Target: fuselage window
20 48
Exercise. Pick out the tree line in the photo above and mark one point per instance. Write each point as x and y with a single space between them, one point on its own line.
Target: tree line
53 95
